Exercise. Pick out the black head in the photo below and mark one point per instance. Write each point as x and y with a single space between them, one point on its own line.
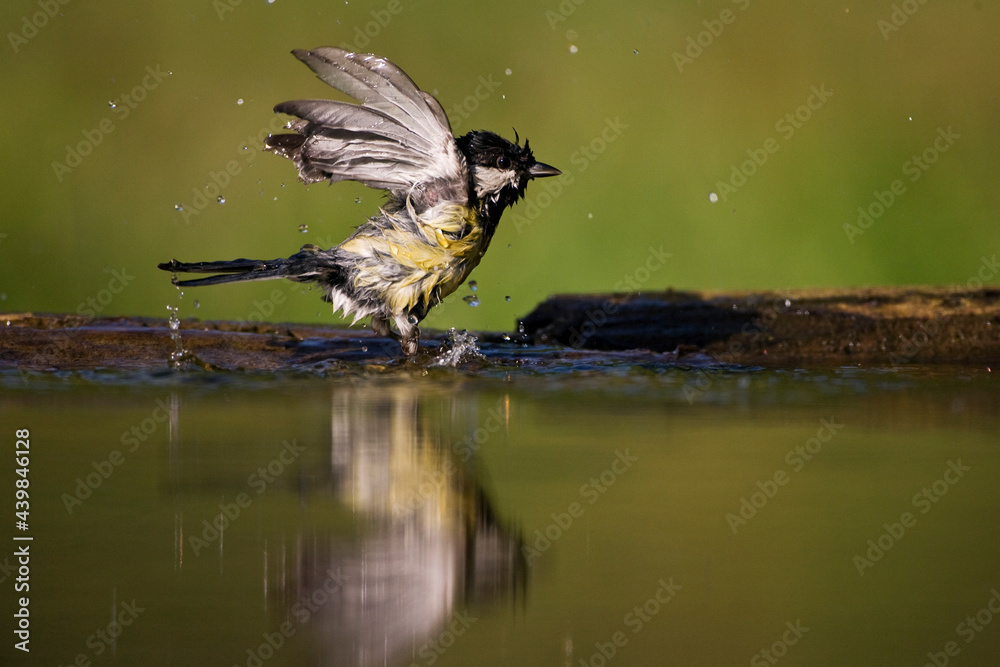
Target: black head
500 169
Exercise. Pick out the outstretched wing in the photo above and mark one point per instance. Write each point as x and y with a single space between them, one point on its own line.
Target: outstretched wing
397 139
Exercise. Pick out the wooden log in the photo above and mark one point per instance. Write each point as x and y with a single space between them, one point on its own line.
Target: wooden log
883 327
886 326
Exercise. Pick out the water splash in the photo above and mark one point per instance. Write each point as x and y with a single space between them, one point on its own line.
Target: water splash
460 346
179 353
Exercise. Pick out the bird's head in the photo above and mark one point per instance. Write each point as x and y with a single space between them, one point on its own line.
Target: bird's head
500 169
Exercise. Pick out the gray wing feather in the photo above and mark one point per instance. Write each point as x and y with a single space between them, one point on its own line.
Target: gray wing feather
397 139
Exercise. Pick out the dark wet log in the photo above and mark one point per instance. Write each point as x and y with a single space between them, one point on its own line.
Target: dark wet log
889 326
71 342
884 327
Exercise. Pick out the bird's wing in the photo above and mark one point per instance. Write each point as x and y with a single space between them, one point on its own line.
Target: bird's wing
397 139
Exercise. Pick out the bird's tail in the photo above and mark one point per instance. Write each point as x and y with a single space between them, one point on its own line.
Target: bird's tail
229 272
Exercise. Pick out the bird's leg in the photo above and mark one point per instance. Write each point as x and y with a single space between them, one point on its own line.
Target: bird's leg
380 325
409 334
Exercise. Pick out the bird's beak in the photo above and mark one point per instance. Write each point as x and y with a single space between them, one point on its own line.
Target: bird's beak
540 169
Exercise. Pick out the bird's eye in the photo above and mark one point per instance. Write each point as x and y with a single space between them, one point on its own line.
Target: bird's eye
503 162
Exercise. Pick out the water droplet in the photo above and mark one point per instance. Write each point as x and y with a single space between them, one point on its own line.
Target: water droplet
590 216
112 105
357 200
788 304
220 199
572 48
507 298
473 285
197 304
712 197
472 300
507 72
635 51
173 321
178 207
364 348
239 101
520 328
303 228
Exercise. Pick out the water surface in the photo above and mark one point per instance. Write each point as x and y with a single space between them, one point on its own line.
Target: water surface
578 516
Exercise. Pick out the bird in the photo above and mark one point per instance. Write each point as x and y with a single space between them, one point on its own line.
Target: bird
444 195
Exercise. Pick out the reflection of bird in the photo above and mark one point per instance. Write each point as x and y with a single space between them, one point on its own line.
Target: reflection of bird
446 195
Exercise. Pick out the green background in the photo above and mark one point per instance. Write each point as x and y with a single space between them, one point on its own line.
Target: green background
574 68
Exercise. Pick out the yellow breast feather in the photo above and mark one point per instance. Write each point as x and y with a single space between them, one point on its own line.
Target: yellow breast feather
433 263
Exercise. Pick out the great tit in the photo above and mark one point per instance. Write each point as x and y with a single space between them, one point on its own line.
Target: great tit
445 195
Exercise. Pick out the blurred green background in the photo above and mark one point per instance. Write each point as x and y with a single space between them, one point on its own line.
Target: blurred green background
603 91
